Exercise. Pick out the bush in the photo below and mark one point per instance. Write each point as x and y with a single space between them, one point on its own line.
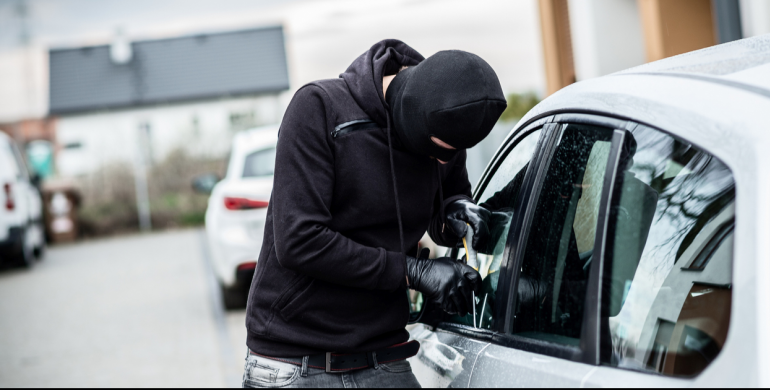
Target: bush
518 106
109 195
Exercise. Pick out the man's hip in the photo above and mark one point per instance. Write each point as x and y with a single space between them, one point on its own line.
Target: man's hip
261 371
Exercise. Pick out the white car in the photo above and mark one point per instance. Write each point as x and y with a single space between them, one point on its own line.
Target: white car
629 245
235 217
21 209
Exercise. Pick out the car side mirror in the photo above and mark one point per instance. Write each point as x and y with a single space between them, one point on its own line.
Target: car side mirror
204 184
35 180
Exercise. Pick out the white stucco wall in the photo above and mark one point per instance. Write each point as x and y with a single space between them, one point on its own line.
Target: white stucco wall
23 83
606 36
755 17
200 128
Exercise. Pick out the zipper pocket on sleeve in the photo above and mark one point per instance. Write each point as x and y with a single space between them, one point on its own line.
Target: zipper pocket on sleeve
348 127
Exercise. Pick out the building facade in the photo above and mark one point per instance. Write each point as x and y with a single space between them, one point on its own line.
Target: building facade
140 101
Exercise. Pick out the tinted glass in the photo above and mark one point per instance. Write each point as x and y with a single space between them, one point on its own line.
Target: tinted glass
559 247
260 163
668 281
8 164
499 197
22 166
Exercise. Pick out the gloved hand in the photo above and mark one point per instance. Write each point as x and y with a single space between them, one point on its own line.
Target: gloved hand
445 281
463 211
531 293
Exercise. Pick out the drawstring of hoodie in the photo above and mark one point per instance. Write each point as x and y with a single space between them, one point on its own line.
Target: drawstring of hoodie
395 188
395 192
440 197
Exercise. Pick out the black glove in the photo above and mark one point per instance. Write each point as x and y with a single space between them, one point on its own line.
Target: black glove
463 211
531 293
445 281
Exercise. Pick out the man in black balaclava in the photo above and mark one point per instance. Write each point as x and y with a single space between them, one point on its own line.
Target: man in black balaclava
365 164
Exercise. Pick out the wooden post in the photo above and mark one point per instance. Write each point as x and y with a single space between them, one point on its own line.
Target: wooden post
674 27
557 44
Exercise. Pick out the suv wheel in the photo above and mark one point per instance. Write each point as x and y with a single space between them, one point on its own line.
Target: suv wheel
25 257
39 250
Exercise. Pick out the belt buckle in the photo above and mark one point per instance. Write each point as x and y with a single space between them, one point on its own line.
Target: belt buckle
328 362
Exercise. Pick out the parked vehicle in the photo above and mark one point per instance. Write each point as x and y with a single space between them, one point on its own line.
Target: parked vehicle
630 236
22 238
237 208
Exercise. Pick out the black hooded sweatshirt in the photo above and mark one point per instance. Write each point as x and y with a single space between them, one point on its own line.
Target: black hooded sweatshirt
331 275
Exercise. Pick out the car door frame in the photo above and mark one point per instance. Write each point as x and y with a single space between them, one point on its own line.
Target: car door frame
501 333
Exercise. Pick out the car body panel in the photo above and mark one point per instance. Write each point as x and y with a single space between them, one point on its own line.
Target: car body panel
445 359
501 366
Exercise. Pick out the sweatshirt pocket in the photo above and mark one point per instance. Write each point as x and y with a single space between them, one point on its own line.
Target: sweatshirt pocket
293 299
356 125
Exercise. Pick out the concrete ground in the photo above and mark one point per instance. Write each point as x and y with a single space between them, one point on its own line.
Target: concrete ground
132 311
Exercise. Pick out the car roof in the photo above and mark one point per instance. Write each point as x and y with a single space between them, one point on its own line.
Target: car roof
255 138
716 97
743 64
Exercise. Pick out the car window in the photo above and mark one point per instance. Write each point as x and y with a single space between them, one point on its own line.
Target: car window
260 163
499 197
668 280
559 244
8 162
20 163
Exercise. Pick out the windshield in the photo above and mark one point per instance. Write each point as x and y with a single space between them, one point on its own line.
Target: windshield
260 163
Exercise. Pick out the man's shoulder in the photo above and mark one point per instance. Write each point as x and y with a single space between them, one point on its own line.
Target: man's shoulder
336 98
331 88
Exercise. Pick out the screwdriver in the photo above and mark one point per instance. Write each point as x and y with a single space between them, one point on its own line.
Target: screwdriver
472 261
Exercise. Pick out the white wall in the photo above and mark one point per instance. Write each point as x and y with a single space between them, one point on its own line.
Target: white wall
114 136
755 17
23 83
606 36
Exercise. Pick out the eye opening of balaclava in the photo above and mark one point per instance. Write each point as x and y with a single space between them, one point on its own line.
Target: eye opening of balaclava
453 95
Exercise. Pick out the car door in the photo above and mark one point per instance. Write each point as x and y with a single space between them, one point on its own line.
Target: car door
519 188
448 352
546 336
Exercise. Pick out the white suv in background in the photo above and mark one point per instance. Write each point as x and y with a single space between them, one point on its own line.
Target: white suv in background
235 217
21 209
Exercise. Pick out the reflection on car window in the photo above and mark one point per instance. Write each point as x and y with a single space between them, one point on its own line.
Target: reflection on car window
669 278
499 197
8 163
559 247
261 163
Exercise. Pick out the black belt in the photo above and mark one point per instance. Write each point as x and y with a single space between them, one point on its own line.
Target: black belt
332 362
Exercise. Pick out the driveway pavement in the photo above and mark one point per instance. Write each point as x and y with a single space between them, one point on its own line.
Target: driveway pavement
132 311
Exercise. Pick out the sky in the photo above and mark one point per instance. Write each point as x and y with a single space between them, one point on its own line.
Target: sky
322 36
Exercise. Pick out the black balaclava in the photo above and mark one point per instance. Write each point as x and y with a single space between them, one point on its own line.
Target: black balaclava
453 95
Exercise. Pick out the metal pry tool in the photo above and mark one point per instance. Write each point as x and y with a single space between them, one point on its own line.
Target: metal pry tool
472 261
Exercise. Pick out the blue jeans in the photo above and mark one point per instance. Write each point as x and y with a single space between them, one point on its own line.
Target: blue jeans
264 372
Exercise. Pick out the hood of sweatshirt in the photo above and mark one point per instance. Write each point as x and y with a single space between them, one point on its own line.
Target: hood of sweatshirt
364 75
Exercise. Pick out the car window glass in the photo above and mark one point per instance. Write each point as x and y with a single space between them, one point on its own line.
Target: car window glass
23 173
511 165
260 163
499 197
559 246
668 283
8 161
